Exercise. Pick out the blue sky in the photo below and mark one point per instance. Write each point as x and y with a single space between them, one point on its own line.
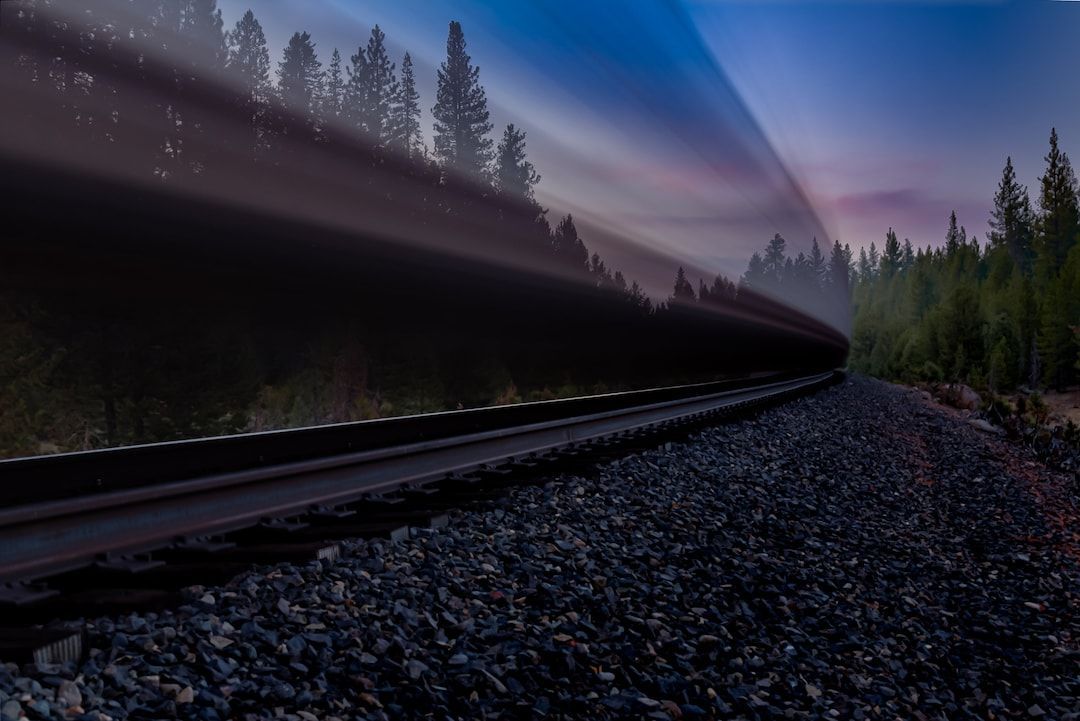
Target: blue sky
896 113
697 128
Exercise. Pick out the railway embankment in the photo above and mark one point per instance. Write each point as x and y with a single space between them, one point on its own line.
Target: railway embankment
859 553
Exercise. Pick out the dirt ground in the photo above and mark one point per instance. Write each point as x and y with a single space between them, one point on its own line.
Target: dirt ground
1065 405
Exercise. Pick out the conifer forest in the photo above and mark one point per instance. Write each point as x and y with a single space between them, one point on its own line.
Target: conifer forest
997 312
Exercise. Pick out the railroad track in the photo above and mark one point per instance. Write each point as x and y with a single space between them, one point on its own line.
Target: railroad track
127 511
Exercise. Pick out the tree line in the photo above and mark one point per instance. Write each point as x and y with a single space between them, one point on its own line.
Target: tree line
159 87
821 286
996 314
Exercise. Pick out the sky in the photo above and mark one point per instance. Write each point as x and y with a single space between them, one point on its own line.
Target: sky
690 131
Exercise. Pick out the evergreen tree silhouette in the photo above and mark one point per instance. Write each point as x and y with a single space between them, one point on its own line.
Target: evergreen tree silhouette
334 94
839 273
703 295
1058 219
1011 220
462 120
515 176
1058 225
818 268
891 256
754 278
373 88
249 64
874 259
866 270
568 247
404 126
300 80
907 255
773 262
683 290
722 290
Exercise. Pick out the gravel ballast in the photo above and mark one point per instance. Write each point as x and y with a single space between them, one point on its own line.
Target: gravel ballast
858 553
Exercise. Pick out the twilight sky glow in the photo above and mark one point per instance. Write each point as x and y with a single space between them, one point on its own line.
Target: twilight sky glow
698 128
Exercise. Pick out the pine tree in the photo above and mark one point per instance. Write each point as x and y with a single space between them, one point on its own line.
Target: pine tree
515 176
952 235
404 128
907 256
1058 222
773 261
754 278
818 269
874 258
683 290
568 247
249 64
890 259
703 292
839 272
372 88
600 273
866 271
721 291
300 79
637 299
1011 221
333 101
461 114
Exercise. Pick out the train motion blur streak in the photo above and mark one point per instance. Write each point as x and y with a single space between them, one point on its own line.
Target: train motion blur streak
181 244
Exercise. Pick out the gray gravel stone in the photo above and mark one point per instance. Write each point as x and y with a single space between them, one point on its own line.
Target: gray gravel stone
855 554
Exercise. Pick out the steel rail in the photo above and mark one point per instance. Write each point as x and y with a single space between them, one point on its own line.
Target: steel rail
43 538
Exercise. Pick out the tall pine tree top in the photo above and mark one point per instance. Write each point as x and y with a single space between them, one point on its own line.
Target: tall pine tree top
300 75
249 65
683 290
839 271
1058 223
773 260
462 120
249 60
405 136
890 257
372 87
334 95
817 262
1011 218
952 235
907 255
